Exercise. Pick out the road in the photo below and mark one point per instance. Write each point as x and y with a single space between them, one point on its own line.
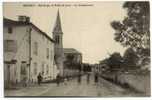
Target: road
103 89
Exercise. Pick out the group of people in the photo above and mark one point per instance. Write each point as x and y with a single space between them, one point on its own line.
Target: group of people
59 79
96 78
25 80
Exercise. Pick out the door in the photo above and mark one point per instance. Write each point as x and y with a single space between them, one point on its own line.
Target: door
6 75
24 72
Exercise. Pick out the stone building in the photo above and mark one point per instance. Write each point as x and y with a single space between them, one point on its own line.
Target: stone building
28 51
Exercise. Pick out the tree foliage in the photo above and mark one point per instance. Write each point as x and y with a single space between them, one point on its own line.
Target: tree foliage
130 57
115 60
133 31
70 63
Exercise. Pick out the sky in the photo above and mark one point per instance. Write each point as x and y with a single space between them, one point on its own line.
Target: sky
86 25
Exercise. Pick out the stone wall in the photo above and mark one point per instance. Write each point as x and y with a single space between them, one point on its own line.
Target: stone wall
140 82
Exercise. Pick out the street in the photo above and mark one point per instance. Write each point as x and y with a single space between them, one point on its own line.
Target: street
104 89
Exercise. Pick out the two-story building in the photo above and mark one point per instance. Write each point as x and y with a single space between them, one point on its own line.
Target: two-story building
28 51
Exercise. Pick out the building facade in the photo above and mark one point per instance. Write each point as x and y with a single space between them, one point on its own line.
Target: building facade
28 51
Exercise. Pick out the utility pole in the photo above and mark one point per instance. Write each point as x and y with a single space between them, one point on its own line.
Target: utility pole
30 53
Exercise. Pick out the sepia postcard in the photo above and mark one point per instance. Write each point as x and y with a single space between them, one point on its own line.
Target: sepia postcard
76 49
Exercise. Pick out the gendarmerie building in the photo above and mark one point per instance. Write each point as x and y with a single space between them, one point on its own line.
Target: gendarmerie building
28 51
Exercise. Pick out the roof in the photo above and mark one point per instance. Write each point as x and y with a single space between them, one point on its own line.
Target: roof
9 22
57 27
71 50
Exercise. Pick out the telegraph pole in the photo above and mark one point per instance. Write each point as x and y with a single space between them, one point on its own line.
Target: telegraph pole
30 53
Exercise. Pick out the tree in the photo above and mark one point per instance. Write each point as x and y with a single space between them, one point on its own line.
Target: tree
69 61
70 58
115 61
130 58
133 31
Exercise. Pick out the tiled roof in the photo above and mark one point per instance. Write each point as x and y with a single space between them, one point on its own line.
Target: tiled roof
9 22
71 50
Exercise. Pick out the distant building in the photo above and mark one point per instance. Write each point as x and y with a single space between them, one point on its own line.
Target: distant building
77 56
97 68
58 47
28 51
100 67
72 61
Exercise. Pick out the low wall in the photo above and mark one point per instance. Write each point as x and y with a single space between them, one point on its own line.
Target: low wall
140 82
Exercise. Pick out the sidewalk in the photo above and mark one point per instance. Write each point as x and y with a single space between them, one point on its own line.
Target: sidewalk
32 90
35 89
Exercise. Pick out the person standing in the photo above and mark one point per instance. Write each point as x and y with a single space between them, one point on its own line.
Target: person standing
39 78
58 80
88 78
96 78
25 81
65 81
79 78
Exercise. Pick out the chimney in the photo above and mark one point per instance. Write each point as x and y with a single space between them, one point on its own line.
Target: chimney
24 19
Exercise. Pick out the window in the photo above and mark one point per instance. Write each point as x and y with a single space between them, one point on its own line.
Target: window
10 30
57 39
47 53
47 69
35 48
51 54
42 68
35 68
10 46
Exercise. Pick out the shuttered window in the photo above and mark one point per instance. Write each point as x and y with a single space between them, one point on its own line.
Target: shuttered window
10 46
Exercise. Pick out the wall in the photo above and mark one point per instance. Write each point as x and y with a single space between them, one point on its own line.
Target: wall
41 59
140 82
20 34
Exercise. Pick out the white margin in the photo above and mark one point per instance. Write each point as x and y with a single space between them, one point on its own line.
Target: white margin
1 52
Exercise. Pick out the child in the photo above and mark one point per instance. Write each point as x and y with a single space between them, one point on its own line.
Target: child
65 81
